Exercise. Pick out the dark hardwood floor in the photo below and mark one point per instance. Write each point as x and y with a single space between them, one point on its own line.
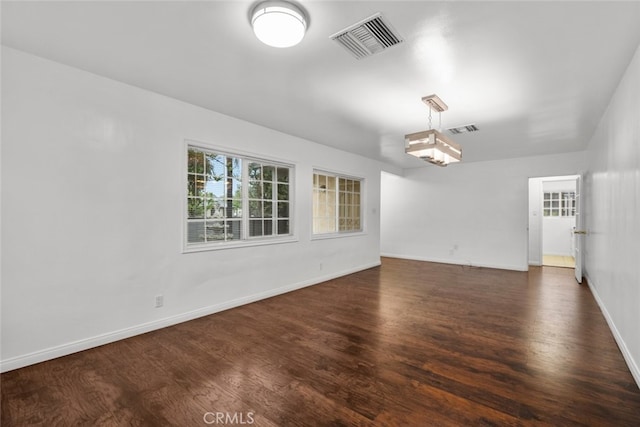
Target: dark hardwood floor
406 344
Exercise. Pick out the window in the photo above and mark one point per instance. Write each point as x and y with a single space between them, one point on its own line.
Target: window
268 199
233 198
336 204
559 204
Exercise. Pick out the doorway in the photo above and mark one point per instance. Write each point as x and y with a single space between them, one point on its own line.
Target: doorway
553 204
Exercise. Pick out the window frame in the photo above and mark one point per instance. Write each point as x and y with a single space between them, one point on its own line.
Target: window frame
566 204
362 203
246 240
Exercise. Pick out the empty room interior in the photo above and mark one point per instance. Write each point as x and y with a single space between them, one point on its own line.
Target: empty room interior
332 213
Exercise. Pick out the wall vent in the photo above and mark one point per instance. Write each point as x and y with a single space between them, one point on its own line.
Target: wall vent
463 129
367 37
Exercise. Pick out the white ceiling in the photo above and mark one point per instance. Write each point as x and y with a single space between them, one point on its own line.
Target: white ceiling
534 76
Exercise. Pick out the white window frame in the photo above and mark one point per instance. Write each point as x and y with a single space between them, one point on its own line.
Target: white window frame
246 240
566 205
338 232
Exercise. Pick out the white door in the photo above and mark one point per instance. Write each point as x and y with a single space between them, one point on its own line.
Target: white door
579 232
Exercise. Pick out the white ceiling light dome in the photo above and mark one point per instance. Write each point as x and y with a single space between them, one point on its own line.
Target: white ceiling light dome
278 23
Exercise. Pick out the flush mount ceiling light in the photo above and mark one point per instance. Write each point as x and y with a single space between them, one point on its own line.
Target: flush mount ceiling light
278 23
431 145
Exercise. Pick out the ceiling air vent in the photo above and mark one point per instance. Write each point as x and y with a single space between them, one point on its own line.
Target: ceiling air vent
367 37
464 129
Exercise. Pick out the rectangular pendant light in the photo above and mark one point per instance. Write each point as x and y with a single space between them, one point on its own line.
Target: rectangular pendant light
433 146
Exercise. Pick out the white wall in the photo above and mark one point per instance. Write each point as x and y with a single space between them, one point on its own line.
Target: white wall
557 235
557 232
468 213
535 221
92 185
612 215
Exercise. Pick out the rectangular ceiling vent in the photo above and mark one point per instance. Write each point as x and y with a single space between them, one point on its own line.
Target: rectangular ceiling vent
367 37
464 129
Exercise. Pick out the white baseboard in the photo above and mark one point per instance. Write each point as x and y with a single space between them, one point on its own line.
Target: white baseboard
523 267
87 343
628 357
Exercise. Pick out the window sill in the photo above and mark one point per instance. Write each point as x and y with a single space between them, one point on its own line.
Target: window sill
337 235
238 244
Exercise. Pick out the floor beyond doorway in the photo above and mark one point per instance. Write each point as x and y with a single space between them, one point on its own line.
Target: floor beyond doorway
558 261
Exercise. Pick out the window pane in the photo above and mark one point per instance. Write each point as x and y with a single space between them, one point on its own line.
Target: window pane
268 173
331 183
236 186
216 187
267 188
255 190
236 169
195 184
209 207
267 228
255 209
195 207
236 207
268 210
283 210
215 164
195 161
283 226
255 228
331 199
255 171
283 192
216 230
234 229
229 211
283 175
195 232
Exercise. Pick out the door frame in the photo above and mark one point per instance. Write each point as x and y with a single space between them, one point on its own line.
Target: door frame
535 217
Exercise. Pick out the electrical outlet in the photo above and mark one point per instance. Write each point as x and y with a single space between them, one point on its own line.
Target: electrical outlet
320 266
159 301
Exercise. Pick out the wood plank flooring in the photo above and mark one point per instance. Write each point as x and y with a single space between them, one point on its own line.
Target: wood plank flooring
406 344
558 261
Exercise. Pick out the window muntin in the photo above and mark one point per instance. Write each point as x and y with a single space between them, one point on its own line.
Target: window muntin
232 198
559 204
336 203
